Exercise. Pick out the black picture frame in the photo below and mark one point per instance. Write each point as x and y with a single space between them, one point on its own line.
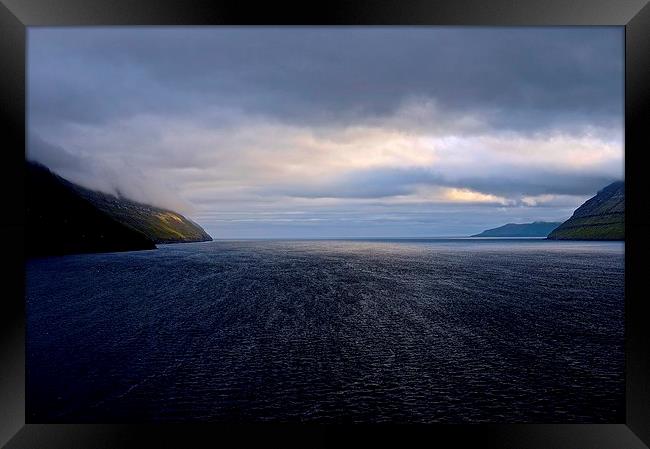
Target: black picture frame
17 15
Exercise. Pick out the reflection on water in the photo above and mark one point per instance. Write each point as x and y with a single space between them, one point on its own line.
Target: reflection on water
421 330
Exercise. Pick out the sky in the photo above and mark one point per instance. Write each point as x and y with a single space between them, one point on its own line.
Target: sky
303 132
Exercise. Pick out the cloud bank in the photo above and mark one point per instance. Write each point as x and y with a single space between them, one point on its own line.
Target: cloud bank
331 132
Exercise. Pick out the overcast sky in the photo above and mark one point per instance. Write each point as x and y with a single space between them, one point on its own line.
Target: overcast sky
333 132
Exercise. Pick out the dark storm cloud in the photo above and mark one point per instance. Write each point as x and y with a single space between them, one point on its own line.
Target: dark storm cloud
518 78
540 182
396 182
333 131
55 157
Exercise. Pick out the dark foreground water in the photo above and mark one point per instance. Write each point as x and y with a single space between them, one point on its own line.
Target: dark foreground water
335 331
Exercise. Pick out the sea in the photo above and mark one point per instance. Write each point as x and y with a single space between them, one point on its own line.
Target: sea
340 331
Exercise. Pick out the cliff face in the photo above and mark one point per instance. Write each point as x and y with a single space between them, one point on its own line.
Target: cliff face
535 229
599 218
160 225
59 221
64 218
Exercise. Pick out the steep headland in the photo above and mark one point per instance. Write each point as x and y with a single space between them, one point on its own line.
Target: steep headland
160 225
65 218
599 218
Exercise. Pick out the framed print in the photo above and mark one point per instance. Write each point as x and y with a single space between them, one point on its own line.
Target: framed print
294 225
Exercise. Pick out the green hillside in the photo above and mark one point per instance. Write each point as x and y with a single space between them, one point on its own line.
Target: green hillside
599 218
59 221
160 225
64 218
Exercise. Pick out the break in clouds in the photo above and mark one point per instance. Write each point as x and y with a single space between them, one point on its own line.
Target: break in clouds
333 132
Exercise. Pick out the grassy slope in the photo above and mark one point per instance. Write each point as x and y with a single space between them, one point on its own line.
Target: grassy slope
59 221
77 220
162 226
599 218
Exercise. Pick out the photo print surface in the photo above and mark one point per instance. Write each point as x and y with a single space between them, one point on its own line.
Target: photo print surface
325 224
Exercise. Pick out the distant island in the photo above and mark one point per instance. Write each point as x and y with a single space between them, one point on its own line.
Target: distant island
74 219
599 218
535 229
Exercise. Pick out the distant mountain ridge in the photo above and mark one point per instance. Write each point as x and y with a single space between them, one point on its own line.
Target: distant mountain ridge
535 229
601 217
73 219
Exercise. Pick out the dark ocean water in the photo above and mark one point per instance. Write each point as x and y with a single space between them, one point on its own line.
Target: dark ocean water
331 331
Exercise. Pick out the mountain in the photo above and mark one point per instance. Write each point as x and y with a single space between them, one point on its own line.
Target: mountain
536 229
599 218
160 225
73 219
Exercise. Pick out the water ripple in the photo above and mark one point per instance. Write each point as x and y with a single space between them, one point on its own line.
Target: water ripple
329 331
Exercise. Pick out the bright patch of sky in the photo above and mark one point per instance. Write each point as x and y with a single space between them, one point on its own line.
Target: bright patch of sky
333 132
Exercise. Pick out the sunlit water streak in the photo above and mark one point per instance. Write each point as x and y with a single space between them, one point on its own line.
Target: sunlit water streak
334 331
